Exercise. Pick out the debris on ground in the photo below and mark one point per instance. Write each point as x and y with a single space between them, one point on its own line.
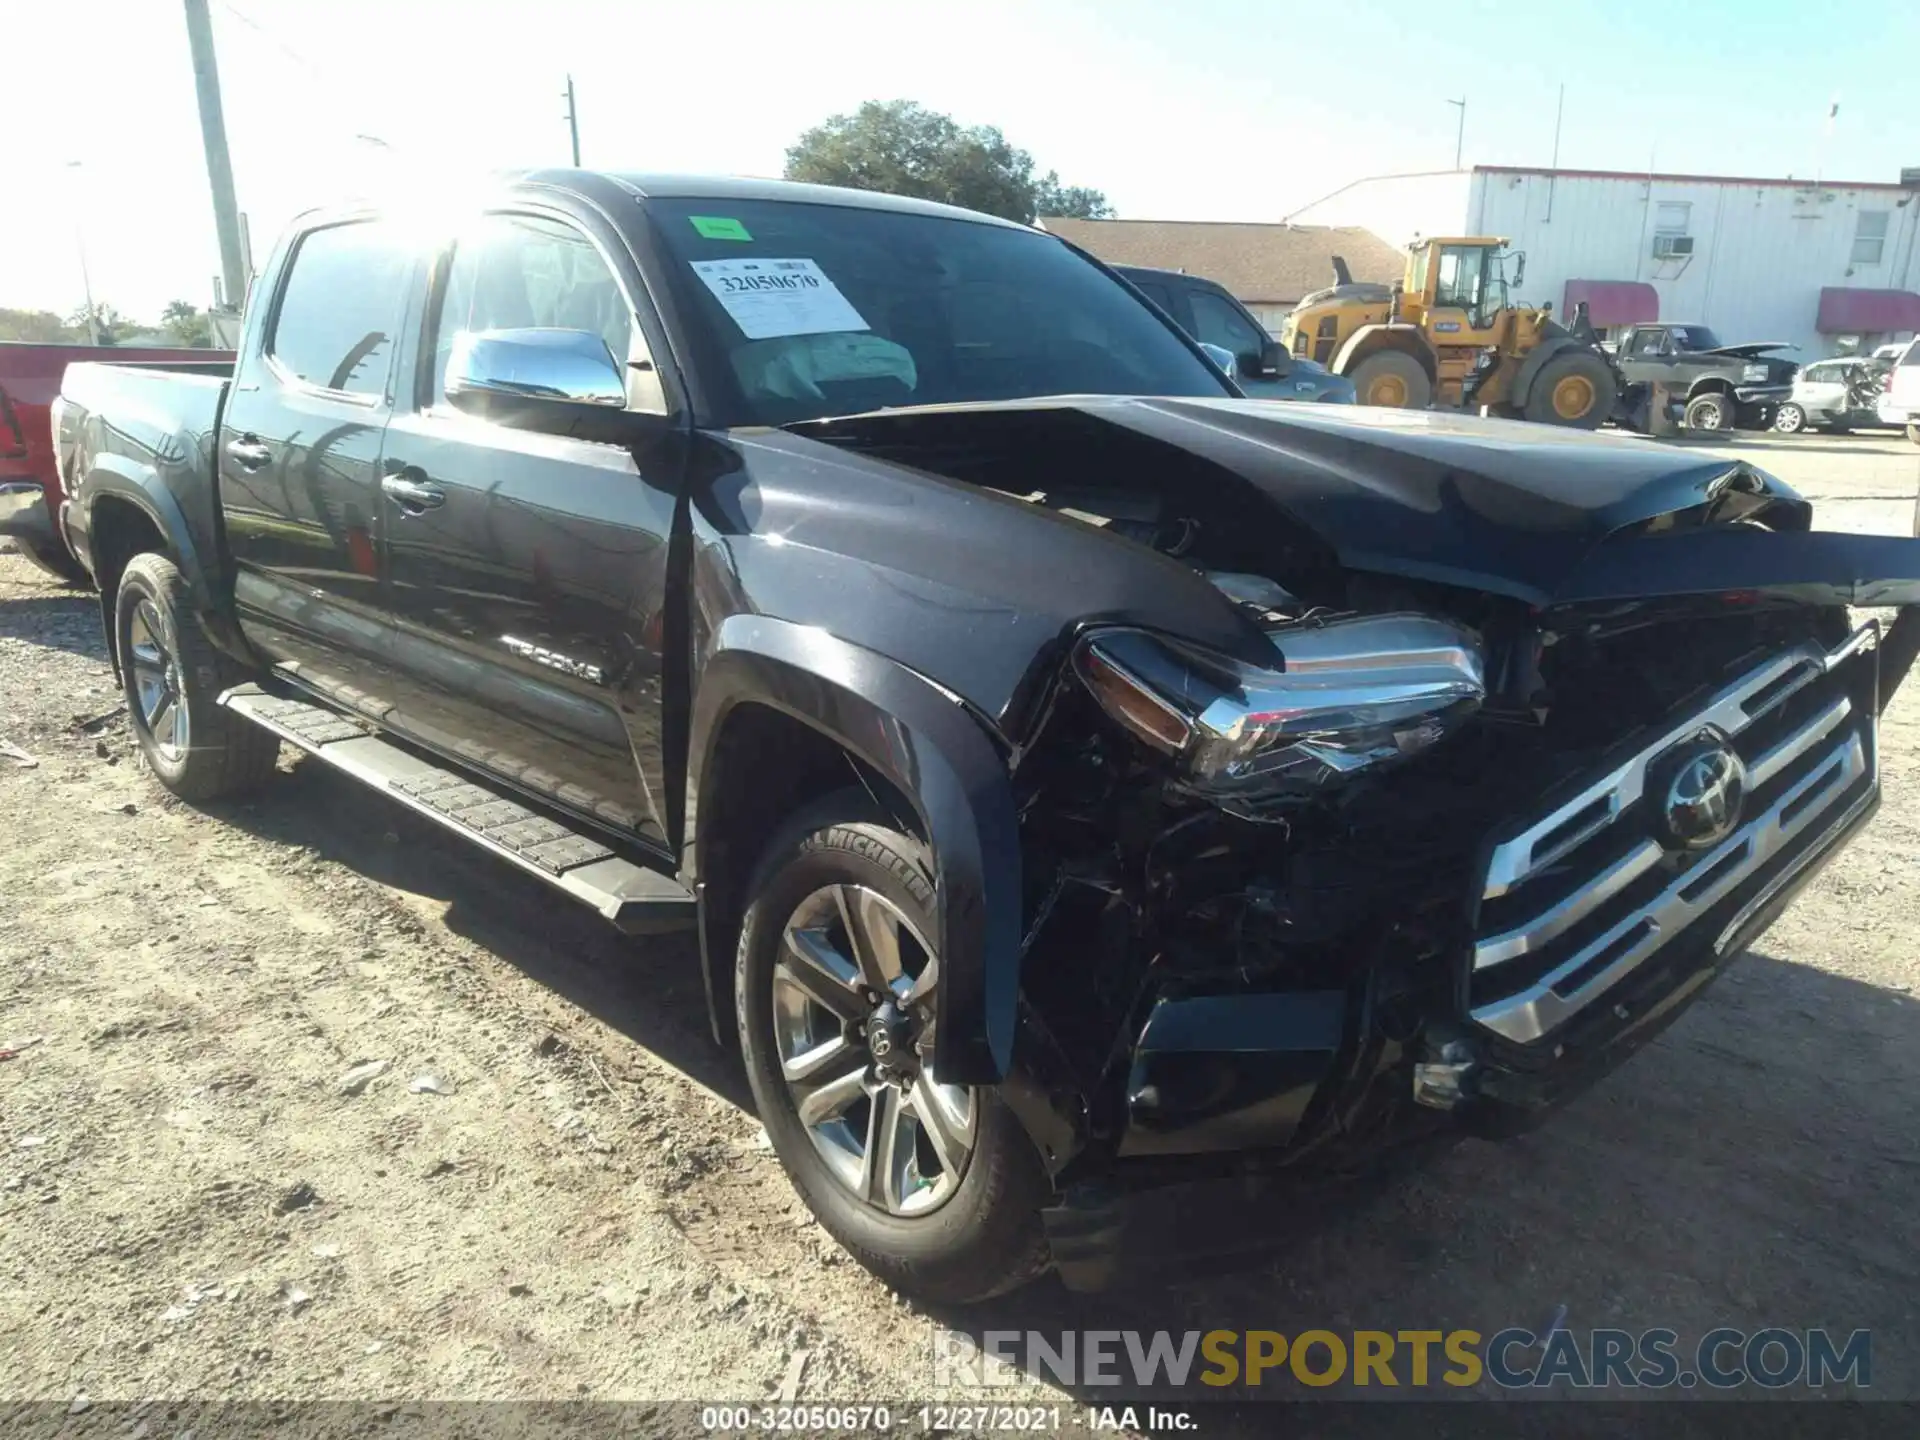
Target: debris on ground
362 1075
17 755
14 1048
294 1297
297 1197
430 1085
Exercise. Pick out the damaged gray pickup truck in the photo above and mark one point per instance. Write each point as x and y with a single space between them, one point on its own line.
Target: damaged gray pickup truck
1081 777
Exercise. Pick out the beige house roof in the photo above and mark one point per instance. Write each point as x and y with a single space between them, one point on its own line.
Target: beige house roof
1260 264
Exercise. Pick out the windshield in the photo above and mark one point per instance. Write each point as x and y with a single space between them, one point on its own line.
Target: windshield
1694 337
806 311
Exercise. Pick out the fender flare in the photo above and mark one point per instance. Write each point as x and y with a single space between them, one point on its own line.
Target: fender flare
925 742
134 485
1409 338
145 493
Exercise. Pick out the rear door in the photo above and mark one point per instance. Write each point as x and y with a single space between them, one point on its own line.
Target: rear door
527 591
298 453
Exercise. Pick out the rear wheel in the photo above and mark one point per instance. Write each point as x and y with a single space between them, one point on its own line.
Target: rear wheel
54 559
173 677
1712 411
1575 388
1790 419
934 1187
1394 379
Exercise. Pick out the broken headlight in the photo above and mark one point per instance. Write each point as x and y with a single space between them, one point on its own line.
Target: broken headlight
1342 696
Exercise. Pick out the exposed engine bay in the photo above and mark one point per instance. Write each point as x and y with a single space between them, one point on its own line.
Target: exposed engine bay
1264 910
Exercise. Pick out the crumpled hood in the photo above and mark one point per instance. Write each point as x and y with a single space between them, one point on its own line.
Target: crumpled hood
1502 506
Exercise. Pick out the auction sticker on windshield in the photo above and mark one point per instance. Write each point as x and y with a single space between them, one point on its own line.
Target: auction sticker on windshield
770 298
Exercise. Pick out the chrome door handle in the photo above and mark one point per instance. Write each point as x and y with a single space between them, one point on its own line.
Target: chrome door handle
249 452
411 495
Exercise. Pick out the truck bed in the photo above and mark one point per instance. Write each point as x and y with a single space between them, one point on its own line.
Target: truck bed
165 423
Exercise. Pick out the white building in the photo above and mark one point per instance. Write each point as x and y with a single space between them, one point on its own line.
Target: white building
1829 266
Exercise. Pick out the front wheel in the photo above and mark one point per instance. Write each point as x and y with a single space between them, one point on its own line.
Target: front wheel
934 1187
1789 419
1712 411
1575 388
173 677
1394 379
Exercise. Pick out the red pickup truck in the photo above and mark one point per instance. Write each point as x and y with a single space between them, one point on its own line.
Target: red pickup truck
30 493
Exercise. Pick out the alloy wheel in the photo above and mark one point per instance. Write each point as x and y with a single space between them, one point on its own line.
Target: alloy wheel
162 703
853 1018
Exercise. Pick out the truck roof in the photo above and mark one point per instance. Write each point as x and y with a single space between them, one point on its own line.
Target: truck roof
740 187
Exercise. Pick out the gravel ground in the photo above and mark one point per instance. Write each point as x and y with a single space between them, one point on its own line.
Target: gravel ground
193 1204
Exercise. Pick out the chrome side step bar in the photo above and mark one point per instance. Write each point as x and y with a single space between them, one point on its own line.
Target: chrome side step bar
638 901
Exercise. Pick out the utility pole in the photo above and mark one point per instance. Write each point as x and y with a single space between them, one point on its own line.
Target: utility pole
86 279
573 123
1460 135
213 136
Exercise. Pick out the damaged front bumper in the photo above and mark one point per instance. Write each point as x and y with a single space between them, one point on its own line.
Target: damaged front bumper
1595 924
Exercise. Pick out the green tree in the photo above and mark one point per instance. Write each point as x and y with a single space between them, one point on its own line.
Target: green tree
186 324
903 148
38 326
108 323
1075 202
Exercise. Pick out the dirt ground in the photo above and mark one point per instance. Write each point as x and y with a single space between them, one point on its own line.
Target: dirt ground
191 1204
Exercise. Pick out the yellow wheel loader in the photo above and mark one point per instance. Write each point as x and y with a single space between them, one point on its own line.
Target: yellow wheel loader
1447 336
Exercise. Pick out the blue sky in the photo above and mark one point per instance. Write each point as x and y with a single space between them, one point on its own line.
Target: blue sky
1211 109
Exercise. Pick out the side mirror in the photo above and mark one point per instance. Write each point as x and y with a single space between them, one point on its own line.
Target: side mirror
1270 362
563 381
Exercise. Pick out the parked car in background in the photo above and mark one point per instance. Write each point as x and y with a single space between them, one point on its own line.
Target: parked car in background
1835 395
1209 313
1723 387
1900 401
30 492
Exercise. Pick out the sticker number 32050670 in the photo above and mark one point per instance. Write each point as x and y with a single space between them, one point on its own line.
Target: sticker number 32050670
769 298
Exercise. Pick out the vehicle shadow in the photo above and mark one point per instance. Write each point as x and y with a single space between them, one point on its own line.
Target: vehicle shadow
1751 1168
58 619
649 989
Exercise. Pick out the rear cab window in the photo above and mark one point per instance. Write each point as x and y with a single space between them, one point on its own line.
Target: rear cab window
341 307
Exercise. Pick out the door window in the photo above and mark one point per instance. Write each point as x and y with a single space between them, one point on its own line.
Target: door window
1218 321
341 305
1650 342
515 272
1157 293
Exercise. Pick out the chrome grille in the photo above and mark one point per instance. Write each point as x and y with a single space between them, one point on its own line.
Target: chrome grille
1578 898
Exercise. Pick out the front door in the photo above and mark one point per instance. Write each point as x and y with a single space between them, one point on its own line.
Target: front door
1469 296
528 570
298 455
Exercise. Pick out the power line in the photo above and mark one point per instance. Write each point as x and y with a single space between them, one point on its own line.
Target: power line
271 38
